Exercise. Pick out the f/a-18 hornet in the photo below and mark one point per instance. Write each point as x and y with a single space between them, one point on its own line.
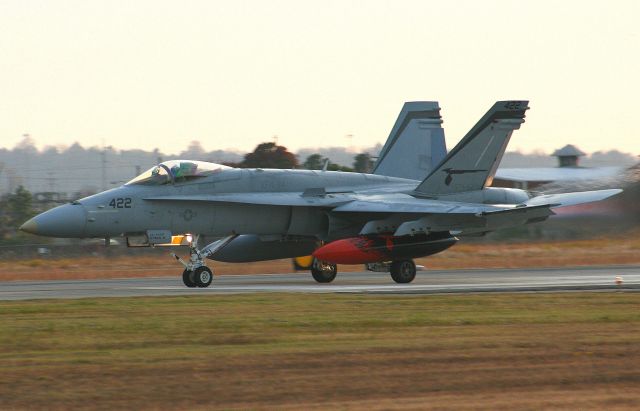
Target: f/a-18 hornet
418 201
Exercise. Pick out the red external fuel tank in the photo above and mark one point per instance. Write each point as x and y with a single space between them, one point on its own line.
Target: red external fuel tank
380 248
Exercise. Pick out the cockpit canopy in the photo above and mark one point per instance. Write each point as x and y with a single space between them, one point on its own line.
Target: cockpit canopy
176 171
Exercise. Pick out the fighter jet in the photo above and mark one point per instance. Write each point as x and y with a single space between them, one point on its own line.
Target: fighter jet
384 219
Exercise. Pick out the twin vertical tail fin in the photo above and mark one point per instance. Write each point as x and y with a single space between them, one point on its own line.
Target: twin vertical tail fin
416 142
472 164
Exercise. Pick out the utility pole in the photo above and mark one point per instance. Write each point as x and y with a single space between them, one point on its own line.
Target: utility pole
27 163
52 182
103 156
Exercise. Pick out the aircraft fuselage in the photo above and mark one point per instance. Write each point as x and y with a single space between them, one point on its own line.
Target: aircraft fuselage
125 209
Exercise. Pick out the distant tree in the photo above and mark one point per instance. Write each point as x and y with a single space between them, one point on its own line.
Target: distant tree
269 155
76 148
362 163
338 167
317 162
15 209
194 151
27 144
19 207
313 162
4 218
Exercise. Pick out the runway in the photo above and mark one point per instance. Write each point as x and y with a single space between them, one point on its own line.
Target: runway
426 282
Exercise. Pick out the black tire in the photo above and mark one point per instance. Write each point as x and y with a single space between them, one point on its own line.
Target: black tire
188 278
403 271
323 272
203 277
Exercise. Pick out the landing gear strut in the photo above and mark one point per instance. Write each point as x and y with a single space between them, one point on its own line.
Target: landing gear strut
323 272
403 271
196 273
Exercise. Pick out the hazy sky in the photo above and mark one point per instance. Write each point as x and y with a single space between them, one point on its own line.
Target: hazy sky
145 74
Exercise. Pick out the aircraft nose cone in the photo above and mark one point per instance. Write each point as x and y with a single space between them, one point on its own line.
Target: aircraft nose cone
68 220
30 226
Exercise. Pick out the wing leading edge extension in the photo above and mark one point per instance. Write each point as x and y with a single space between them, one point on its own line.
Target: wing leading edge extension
274 199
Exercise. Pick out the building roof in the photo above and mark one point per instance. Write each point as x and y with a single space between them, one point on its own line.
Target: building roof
547 174
568 151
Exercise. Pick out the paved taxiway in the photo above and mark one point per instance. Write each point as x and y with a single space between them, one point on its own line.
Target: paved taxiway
426 282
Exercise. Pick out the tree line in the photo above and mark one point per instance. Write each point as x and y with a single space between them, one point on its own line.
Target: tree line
271 155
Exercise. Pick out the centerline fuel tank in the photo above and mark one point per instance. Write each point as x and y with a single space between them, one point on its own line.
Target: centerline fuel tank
379 248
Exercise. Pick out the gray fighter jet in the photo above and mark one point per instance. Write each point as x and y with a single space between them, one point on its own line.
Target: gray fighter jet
384 219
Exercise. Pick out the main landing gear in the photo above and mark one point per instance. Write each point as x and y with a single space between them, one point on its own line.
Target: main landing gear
323 272
403 271
196 273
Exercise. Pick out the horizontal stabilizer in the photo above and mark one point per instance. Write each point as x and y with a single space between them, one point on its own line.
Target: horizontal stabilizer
569 199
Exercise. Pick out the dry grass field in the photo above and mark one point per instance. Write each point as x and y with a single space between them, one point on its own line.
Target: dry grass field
571 351
605 251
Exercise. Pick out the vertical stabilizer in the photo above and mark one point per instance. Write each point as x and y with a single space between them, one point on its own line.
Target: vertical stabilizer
472 164
416 142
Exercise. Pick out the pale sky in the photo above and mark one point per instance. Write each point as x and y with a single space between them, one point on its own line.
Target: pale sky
145 74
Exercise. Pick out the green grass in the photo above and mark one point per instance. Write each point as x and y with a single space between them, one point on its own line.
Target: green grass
52 350
272 322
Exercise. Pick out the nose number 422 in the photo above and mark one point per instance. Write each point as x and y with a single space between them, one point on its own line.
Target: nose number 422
120 203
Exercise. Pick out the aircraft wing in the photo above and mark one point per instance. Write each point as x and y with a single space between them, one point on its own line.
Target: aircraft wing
460 218
408 204
406 214
389 203
341 202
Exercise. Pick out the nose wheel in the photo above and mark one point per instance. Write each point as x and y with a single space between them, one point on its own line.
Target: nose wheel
188 278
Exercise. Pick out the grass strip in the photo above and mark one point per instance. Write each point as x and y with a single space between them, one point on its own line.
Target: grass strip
280 350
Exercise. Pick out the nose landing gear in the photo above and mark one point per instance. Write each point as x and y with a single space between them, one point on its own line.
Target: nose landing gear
200 277
196 273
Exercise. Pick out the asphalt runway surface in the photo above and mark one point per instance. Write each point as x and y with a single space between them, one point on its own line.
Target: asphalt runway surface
426 282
